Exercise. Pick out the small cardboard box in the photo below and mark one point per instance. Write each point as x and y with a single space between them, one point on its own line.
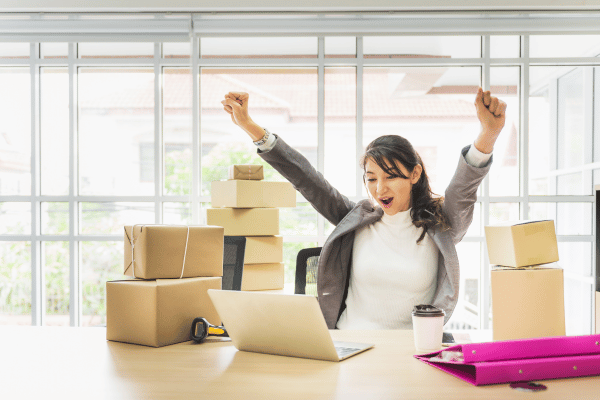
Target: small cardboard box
158 312
528 302
263 249
246 172
245 221
521 243
159 251
263 276
252 194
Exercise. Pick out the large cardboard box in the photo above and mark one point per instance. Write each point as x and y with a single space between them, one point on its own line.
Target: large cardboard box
245 221
159 251
157 312
521 243
252 194
263 276
246 171
263 249
527 302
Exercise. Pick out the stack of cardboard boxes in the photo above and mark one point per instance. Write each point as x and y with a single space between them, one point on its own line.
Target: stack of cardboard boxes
527 284
173 267
247 205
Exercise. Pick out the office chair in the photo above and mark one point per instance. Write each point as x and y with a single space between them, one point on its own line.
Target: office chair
306 271
234 249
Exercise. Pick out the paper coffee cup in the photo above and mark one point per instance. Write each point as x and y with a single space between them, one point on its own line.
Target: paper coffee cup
428 328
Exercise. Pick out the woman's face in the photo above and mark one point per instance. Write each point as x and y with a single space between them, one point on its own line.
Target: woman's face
391 192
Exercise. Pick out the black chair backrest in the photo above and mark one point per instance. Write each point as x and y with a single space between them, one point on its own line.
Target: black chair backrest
234 249
306 271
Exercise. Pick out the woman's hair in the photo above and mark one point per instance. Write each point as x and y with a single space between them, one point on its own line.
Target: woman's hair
426 207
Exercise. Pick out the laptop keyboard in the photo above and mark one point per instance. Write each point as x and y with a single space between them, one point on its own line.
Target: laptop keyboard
344 351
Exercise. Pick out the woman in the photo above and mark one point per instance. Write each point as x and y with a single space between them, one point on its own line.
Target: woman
397 249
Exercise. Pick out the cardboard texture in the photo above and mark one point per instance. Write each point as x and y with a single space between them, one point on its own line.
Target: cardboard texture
262 276
157 312
252 194
246 172
527 302
159 251
245 221
263 249
522 243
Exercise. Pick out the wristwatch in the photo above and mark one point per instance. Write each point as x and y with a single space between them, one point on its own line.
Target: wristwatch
264 138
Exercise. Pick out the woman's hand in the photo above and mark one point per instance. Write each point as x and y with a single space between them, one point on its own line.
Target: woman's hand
236 104
492 114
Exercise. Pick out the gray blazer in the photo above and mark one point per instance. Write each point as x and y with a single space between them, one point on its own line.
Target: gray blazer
335 261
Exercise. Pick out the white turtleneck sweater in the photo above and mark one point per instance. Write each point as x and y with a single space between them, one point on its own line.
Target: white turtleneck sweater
390 274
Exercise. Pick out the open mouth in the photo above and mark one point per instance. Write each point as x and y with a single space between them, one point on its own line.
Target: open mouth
386 201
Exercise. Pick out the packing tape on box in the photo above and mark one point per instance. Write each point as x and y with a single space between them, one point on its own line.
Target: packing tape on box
132 243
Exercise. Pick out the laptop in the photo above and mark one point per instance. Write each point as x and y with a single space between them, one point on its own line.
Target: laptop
281 324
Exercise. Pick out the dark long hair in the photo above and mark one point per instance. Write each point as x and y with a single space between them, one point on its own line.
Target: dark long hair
426 207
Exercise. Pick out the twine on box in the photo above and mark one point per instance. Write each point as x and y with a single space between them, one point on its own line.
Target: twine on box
132 243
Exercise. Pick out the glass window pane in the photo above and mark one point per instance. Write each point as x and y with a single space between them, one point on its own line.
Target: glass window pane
100 262
116 131
596 114
54 50
109 218
504 175
432 107
422 46
115 50
340 129
500 212
571 184
15 283
282 100
54 131
176 50
15 132
576 258
571 119
258 47
578 307
55 218
177 214
466 313
570 218
564 45
340 47
298 221
290 252
14 50
15 218
177 131
505 46
56 269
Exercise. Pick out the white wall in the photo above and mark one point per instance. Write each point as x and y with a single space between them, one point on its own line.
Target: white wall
289 5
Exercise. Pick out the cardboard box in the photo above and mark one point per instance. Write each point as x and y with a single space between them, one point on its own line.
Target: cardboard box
263 249
521 243
245 221
252 194
528 302
263 276
246 172
158 312
159 251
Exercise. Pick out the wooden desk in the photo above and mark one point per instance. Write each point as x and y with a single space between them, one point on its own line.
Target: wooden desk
78 363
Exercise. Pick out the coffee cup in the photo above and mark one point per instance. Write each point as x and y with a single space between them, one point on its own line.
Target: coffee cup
428 327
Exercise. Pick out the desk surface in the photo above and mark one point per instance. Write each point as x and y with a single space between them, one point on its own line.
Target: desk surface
78 363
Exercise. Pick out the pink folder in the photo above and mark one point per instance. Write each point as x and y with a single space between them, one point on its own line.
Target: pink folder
521 360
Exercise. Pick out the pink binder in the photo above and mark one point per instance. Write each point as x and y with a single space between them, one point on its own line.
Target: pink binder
520 360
